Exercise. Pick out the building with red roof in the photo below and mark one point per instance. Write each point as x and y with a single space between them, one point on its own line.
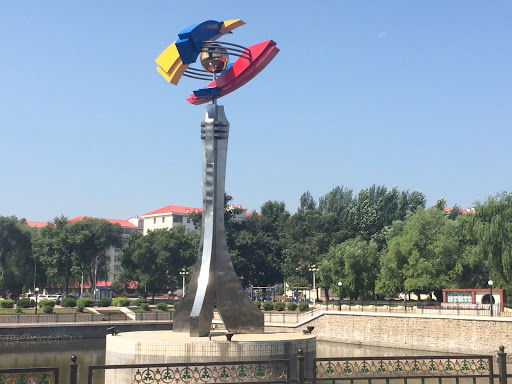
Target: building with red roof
169 217
37 224
241 212
173 215
463 211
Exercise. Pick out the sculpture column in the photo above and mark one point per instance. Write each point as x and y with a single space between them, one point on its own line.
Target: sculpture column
214 279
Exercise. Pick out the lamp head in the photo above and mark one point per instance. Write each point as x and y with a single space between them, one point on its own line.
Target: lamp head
490 282
340 283
214 58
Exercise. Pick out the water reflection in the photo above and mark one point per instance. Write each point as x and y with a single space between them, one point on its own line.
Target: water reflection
44 353
332 349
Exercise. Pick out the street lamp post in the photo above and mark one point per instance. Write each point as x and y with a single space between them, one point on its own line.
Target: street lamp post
314 269
183 273
35 271
37 297
339 295
490 282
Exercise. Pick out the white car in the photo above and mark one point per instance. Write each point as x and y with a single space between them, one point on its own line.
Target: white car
56 298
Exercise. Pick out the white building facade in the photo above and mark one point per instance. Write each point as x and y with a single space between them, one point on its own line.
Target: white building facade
169 217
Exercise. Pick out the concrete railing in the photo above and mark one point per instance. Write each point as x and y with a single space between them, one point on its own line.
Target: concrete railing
153 316
52 318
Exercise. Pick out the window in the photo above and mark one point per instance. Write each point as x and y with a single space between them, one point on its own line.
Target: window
117 250
188 231
188 220
154 220
177 219
163 219
117 267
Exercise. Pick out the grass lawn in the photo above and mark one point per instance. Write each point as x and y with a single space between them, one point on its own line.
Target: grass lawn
30 311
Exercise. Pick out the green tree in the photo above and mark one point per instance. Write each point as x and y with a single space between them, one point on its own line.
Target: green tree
54 248
493 228
338 207
15 252
377 208
471 269
257 249
94 237
355 263
421 254
392 261
155 260
307 237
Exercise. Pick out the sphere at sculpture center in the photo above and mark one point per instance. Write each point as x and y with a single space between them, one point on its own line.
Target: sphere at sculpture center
214 59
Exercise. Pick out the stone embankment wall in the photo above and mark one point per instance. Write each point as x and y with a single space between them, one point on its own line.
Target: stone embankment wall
428 333
73 331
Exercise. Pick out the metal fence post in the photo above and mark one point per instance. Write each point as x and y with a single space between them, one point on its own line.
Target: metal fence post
502 365
300 366
73 370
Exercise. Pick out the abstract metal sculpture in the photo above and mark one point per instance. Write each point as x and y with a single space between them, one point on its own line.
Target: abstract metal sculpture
214 280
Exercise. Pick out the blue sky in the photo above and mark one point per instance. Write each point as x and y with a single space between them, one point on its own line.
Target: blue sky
397 93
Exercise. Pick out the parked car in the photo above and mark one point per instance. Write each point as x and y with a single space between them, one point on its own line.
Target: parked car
56 298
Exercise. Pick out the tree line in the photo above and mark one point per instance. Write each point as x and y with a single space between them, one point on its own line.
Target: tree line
376 242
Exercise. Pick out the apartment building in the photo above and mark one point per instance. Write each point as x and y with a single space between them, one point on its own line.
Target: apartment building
169 217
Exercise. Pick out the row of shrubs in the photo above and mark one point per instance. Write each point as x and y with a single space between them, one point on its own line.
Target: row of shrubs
281 306
47 305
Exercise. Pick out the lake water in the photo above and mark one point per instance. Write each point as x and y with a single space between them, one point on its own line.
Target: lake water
92 352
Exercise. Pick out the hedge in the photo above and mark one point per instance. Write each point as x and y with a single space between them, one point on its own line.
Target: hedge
104 302
85 302
7 303
25 302
46 303
68 302
140 301
121 301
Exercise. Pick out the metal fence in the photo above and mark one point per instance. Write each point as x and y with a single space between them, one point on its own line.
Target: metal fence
412 308
43 375
72 318
470 369
270 317
464 310
274 371
405 368
462 369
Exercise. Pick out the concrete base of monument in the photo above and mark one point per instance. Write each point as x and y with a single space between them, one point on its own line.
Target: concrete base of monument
155 347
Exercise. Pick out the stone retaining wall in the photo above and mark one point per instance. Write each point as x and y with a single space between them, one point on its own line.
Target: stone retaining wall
73 331
457 335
